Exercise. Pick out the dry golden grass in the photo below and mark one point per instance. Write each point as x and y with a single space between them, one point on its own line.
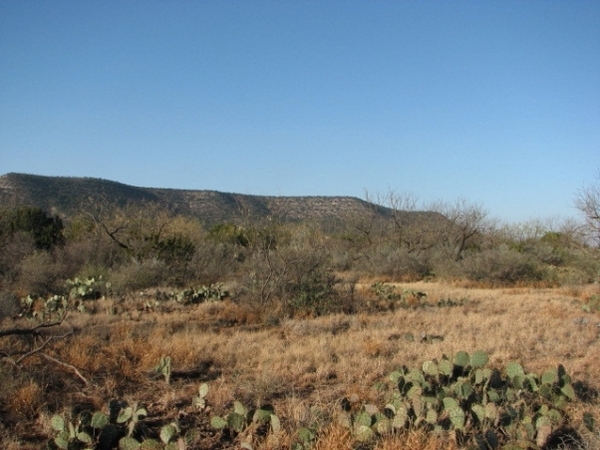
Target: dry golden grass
303 367
416 440
335 437
26 401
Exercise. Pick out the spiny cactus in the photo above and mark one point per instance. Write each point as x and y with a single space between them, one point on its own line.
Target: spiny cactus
592 305
450 303
241 418
164 368
199 401
90 288
387 294
41 309
85 430
117 429
460 393
131 415
479 359
305 438
213 292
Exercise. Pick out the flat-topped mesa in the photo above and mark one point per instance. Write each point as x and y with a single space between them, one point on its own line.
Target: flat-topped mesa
69 196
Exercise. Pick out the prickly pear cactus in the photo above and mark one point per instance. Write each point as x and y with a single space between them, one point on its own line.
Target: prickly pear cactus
199 401
164 368
484 407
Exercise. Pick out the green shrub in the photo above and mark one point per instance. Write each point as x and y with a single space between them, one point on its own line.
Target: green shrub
46 231
229 233
314 293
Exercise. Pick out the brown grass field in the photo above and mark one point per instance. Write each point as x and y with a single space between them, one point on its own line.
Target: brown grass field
301 366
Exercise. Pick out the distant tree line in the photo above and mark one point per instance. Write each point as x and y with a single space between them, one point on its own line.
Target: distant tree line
295 265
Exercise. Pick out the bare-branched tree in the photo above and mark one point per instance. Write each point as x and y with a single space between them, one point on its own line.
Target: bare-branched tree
465 221
588 202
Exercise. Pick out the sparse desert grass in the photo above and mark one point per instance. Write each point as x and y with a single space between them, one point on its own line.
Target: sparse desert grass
303 367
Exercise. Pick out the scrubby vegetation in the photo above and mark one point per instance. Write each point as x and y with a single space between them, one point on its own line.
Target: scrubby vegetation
139 328
295 264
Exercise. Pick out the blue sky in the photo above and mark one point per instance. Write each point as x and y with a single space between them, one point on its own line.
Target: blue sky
497 102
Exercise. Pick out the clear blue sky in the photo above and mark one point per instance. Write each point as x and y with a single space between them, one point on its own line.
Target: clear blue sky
494 101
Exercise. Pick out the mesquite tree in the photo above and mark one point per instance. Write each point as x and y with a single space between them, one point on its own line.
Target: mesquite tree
588 202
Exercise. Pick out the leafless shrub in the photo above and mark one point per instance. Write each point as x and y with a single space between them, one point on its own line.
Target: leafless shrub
9 305
501 266
136 276
588 202
40 274
12 253
400 264
214 261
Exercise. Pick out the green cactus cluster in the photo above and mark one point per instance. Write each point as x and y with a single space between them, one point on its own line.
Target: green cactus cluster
164 368
305 438
592 305
96 430
116 429
385 291
391 298
53 308
483 407
199 401
459 396
450 302
88 288
211 293
246 423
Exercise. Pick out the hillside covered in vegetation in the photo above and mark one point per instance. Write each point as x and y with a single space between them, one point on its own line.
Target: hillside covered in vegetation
68 196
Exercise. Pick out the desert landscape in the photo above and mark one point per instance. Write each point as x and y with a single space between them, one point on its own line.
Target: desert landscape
299 225
138 327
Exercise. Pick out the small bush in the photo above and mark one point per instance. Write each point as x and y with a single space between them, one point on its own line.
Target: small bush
288 271
202 294
213 262
39 274
314 294
46 231
12 253
136 276
501 266
399 264
584 268
9 305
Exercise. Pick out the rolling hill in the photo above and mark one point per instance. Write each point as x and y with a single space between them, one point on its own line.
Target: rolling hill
68 196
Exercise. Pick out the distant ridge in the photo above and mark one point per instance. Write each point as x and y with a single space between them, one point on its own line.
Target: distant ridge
68 196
